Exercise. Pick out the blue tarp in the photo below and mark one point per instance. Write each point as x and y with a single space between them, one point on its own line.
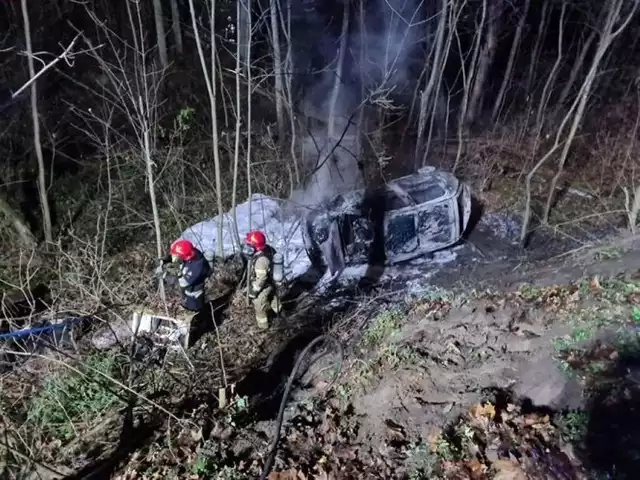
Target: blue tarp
44 328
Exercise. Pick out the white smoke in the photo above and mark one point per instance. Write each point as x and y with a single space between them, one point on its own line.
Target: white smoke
392 30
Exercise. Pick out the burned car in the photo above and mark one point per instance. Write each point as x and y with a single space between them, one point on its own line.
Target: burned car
410 217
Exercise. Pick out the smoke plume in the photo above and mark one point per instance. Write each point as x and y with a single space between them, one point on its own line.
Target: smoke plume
377 67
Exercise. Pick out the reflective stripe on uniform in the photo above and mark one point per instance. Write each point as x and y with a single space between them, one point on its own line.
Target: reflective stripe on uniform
195 294
262 271
182 282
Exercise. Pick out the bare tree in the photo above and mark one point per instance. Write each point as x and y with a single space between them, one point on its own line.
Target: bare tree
13 217
576 113
277 68
542 31
247 63
176 26
494 14
577 67
42 186
435 68
161 37
210 80
130 86
285 25
546 91
467 80
607 36
236 150
515 46
335 91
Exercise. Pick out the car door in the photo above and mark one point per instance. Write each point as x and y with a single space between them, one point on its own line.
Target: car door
400 229
357 238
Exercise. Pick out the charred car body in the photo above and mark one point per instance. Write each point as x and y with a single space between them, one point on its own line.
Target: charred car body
410 217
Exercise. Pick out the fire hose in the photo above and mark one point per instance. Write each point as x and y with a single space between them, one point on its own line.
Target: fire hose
287 391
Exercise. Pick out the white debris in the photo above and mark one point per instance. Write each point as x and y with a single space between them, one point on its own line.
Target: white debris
259 213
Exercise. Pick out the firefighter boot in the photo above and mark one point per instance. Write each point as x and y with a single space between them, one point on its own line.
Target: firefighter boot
262 306
276 305
184 320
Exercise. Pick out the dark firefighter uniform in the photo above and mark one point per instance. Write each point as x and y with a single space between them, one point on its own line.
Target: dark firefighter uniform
193 272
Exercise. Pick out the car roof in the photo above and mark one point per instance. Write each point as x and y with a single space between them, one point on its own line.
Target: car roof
445 183
428 178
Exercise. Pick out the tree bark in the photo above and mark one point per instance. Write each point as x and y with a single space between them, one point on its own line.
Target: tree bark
42 187
236 151
176 26
277 69
463 126
577 67
486 60
427 94
606 39
160 33
244 31
542 29
546 91
210 81
335 92
515 46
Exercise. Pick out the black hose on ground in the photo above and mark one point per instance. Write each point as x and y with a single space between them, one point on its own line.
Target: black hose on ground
287 391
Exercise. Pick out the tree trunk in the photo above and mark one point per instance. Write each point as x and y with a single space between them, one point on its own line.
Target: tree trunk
546 91
486 60
335 92
577 67
360 134
515 46
42 187
144 114
277 69
244 31
210 81
427 94
176 26
249 96
160 33
542 29
289 67
577 110
467 80
606 39
214 132
236 151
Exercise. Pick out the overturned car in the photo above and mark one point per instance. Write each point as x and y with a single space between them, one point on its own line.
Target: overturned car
410 217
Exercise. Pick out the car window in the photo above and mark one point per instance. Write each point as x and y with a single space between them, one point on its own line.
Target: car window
393 201
435 226
401 235
357 229
357 234
426 193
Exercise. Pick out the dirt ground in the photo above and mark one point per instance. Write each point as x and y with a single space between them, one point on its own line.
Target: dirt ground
530 374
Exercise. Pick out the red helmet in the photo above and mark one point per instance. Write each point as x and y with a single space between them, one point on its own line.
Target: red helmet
183 249
256 239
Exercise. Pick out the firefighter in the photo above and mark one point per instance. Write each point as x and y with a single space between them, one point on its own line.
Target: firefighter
262 288
193 270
